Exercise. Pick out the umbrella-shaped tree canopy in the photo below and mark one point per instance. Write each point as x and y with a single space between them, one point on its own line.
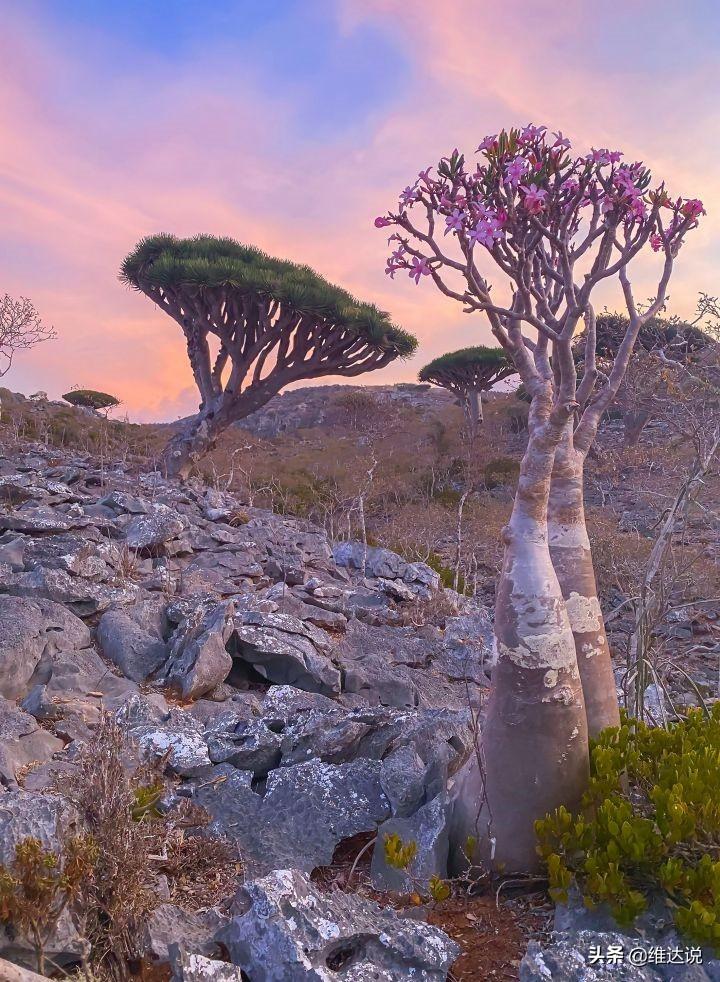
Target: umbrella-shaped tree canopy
467 373
253 324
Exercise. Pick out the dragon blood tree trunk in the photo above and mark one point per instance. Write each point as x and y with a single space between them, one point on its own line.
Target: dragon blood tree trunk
196 438
534 743
572 560
199 434
475 410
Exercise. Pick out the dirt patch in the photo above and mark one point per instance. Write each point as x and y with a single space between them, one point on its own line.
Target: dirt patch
493 938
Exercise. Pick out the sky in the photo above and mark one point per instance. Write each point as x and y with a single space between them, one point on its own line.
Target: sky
291 124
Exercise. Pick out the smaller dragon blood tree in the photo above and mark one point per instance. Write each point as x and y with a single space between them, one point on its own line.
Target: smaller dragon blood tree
524 236
467 374
253 324
91 399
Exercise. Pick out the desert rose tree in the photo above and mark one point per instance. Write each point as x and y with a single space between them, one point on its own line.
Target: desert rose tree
467 374
253 324
525 236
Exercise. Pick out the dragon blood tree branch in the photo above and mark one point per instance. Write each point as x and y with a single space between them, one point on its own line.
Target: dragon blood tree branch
467 374
520 222
252 325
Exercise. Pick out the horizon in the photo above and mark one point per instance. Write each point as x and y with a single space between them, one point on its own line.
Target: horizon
291 128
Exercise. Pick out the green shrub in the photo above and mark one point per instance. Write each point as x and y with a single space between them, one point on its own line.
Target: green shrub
650 824
37 887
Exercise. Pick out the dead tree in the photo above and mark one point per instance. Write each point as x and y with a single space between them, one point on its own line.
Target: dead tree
253 324
20 328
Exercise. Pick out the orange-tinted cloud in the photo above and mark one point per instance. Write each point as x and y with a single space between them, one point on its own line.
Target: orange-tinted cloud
204 149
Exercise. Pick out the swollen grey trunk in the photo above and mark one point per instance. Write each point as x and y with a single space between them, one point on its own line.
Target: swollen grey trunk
572 561
535 741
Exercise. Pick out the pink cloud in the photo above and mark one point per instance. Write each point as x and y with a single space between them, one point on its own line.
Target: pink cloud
204 152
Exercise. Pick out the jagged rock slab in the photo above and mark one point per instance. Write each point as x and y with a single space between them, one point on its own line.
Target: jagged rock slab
136 652
169 924
248 744
287 651
22 741
286 931
83 597
428 829
306 811
173 736
198 659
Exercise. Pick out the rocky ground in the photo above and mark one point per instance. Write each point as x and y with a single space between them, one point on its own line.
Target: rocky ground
307 695
298 701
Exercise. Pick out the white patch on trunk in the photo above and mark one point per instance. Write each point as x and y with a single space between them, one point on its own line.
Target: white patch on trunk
584 613
553 650
550 678
569 536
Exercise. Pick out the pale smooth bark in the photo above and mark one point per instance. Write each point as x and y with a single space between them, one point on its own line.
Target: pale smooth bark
572 560
535 740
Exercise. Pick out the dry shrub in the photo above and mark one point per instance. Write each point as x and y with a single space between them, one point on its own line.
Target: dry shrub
201 871
619 557
118 805
119 893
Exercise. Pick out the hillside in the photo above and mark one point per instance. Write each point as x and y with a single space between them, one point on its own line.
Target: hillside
268 666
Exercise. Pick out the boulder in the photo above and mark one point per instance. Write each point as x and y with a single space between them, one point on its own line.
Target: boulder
327 802
198 660
149 532
22 814
196 968
287 931
30 630
84 597
135 652
286 651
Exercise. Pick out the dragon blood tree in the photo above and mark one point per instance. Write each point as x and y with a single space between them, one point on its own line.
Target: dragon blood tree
467 374
524 237
253 324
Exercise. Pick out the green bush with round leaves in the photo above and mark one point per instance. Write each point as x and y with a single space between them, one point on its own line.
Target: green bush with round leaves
650 825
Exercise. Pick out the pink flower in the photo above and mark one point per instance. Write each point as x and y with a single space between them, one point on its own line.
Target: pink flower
534 199
515 170
531 132
409 195
488 143
390 269
604 156
486 232
561 142
656 242
381 222
693 208
454 221
570 184
424 175
418 268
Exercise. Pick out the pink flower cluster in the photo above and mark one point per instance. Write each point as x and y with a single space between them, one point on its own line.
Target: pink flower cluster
525 181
